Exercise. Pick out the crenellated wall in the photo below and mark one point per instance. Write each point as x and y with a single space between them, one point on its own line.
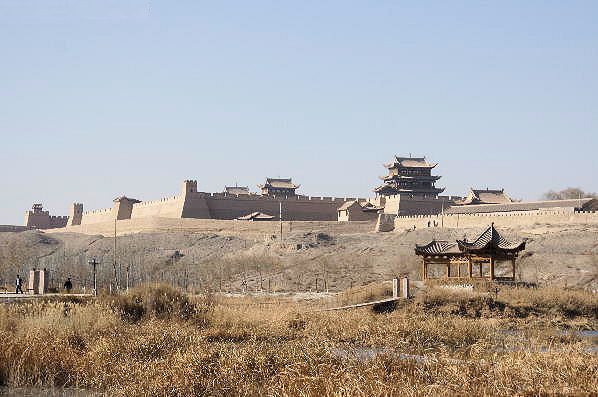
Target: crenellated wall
167 207
294 208
405 205
502 219
98 216
202 205
39 219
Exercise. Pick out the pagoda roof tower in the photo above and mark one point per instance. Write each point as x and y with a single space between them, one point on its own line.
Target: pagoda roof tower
279 187
409 176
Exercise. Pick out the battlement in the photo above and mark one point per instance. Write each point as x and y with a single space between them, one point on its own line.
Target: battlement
503 219
252 197
100 211
191 203
189 186
157 202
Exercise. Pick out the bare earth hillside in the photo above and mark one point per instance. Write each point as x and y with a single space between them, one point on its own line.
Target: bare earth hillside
563 256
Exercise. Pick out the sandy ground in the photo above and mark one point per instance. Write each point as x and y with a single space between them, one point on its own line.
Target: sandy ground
555 255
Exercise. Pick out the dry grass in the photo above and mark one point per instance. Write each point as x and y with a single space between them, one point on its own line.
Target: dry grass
282 349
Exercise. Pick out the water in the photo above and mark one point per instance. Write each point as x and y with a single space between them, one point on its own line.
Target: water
364 354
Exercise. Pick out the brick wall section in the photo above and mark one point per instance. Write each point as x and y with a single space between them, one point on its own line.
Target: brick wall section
293 208
248 229
43 220
405 205
98 216
500 219
168 207
201 205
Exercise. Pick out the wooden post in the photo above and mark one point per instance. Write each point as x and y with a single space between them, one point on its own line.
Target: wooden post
448 270
424 275
513 264
459 269
469 267
491 268
395 287
481 275
405 287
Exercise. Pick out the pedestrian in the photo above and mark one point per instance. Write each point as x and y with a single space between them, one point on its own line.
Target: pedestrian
19 284
68 285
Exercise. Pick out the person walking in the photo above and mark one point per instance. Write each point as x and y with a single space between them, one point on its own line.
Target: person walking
68 285
19 284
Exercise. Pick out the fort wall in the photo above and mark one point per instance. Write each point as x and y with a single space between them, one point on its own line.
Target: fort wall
13 228
202 205
167 207
405 205
75 214
39 219
502 219
294 208
98 216
256 230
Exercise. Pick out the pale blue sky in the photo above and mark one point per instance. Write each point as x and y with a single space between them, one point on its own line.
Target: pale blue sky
103 98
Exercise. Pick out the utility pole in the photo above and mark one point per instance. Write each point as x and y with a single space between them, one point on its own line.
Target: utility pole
280 217
114 259
93 262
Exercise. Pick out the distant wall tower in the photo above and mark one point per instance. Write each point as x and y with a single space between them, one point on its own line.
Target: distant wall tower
123 207
189 186
75 214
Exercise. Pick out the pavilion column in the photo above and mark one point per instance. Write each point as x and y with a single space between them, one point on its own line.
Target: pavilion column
459 269
448 270
480 264
424 269
513 265
491 268
469 268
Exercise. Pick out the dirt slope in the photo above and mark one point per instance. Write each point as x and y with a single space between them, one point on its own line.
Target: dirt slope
554 255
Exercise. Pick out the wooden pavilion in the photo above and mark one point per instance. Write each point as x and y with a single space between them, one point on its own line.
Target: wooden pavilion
471 260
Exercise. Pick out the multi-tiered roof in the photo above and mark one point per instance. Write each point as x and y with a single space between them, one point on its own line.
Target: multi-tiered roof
488 249
409 176
279 187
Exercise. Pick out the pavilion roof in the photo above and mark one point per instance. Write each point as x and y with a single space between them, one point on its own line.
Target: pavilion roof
256 215
486 196
437 247
412 162
125 198
236 189
346 205
284 183
490 241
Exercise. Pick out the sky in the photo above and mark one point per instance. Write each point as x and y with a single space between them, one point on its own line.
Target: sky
129 97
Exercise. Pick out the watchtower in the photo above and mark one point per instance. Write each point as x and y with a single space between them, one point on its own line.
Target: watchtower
75 214
189 186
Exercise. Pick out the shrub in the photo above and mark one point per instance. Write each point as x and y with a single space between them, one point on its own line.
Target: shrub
158 301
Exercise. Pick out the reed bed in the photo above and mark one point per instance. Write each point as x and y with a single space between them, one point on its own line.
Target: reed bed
173 345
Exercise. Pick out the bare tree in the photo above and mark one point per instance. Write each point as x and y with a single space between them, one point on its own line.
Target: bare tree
569 193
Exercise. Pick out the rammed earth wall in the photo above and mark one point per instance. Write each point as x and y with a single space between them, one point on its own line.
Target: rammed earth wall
501 219
257 230
202 205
